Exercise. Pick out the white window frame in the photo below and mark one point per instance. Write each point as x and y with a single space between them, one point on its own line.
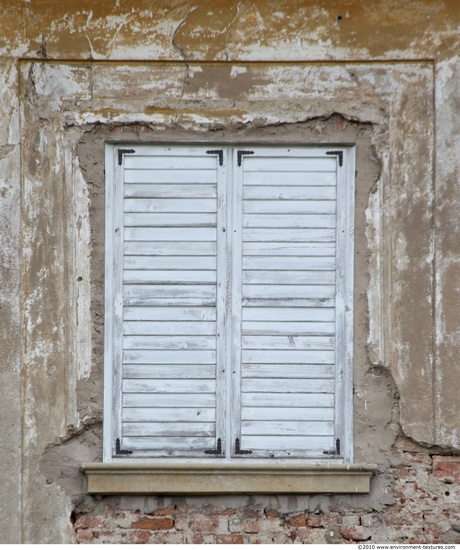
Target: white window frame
345 156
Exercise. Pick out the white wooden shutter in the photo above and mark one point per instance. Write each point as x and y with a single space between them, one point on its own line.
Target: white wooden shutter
229 302
167 241
292 247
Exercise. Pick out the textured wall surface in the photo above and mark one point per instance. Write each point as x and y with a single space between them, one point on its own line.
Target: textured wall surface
426 491
380 74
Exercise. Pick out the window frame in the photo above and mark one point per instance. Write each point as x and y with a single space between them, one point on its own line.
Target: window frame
345 155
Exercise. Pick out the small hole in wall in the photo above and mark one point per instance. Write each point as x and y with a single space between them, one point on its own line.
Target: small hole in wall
447 493
73 517
338 19
79 279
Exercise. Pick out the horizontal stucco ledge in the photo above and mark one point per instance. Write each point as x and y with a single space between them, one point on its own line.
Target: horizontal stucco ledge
186 479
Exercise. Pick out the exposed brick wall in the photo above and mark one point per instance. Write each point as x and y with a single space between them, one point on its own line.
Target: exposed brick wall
426 491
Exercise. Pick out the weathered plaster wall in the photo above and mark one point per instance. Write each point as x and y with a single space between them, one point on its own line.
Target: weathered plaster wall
230 30
447 258
379 74
10 307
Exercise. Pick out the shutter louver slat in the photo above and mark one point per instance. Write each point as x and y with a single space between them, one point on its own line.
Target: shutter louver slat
158 191
287 192
160 219
171 175
163 328
169 313
165 248
295 178
284 165
167 445
160 401
182 414
302 221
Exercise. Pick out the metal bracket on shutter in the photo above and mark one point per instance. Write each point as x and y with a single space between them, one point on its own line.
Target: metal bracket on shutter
335 451
220 154
217 450
119 450
238 450
240 154
337 153
122 152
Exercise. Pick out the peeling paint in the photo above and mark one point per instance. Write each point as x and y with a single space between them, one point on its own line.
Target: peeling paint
83 273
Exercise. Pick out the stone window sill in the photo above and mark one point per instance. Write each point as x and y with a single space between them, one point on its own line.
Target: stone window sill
206 479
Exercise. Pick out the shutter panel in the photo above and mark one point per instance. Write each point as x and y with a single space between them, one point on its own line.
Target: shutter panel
170 348
288 367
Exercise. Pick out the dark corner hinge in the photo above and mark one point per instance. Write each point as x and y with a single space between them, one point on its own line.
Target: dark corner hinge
238 450
220 154
122 152
217 450
119 450
335 451
337 153
240 155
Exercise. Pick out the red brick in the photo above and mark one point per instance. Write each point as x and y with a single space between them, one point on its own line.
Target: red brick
357 533
162 512
153 524
88 522
220 511
315 521
251 526
272 514
139 537
108 534
201 538
416 459
311 535
84 535
433 531
229 539
447 467
204 524
298 521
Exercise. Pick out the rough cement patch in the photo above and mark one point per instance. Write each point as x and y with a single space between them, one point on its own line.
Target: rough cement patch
60 463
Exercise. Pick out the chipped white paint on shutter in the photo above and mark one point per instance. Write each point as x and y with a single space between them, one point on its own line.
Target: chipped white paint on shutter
170 347
287 294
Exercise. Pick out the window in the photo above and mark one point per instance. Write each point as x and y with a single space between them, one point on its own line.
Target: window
229 302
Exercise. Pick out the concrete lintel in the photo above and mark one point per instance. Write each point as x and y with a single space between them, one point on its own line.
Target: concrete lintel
163 478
